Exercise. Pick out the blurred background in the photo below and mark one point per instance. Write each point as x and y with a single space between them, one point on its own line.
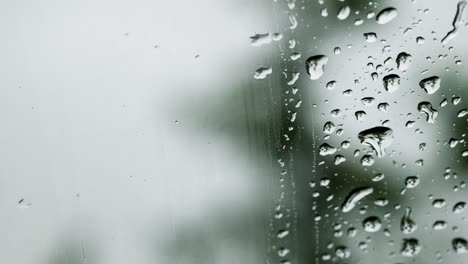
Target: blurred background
139 131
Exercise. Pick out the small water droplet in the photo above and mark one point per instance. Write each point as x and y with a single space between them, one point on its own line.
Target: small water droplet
367 160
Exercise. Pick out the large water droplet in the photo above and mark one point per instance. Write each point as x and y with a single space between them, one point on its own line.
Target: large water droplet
460 245
410 247
378 138
372 224
343 12
391 82
462 113
360 115
326 149
439 225
459 207
339 159
383 107
430 85
426 108
315 66
439 203
403 61
328 127
386 15
411 182
370 37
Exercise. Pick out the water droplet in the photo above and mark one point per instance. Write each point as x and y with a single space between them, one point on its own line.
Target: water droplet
462 113
370 37
367 101
277 36
409 124
339 159
407 225
378 177
426 108
422 146
335 112
378 138
391 82
457 22
294 78
439 203
337 50
282 233
326 149
372 224
354 197
459 207
331 85
345 144
260 39
342 252
439 225
324 12
360 115
403 61
411 182
325 181
343 12
460 245
444 102
386 15
410 247
430 85
453 142
358 22
262 73
293 21
315 66
381 202
419 40
295 56
328 127
367 160
383 107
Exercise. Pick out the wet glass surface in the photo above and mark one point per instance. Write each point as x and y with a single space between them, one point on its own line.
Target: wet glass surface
233 131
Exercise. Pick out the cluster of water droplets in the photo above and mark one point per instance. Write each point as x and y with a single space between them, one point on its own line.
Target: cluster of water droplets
392 76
